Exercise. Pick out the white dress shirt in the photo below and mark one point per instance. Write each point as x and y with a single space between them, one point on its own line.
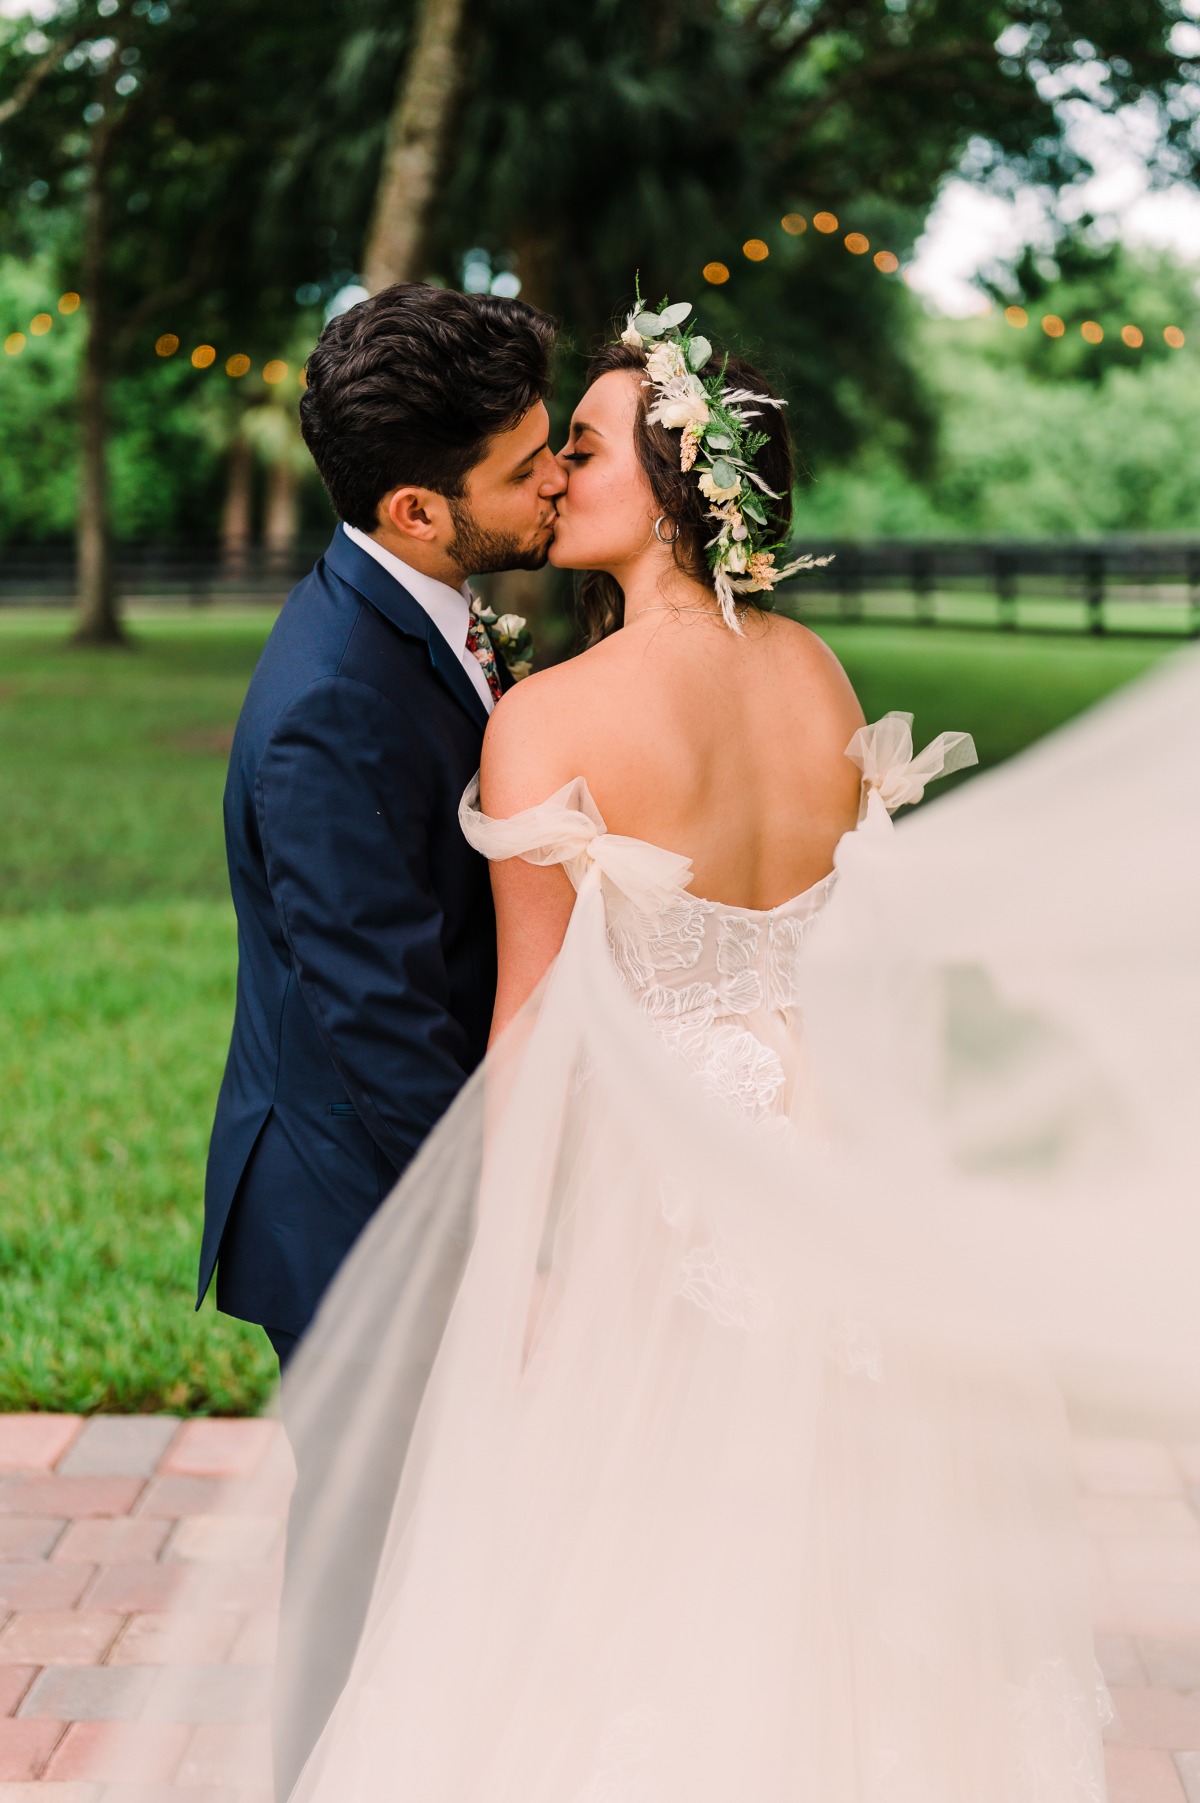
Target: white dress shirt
448 608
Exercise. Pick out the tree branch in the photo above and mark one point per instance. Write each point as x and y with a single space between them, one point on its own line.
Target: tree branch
46 65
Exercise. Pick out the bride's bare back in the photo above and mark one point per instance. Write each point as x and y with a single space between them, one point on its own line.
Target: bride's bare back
728 750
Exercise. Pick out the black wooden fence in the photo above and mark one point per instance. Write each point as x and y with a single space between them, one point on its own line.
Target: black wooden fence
1112 585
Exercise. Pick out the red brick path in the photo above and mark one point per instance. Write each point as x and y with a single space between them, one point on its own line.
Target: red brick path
101 1521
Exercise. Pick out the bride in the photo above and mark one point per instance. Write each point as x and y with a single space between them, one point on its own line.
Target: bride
688 1448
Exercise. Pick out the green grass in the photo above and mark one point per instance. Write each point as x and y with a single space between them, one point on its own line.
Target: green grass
117 963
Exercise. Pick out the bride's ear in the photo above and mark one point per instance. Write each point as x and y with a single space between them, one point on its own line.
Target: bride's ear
417 513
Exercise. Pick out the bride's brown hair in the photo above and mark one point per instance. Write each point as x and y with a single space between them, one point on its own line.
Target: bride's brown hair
676 492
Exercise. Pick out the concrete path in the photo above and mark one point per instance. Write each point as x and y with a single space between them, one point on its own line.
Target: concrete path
101 1521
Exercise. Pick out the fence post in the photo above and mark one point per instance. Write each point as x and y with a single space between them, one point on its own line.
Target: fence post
1093 588
920 568
1006 589
848 575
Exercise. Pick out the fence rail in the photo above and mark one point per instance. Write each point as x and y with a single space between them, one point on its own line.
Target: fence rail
1113 585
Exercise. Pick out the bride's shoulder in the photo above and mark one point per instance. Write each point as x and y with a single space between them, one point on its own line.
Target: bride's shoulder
535 738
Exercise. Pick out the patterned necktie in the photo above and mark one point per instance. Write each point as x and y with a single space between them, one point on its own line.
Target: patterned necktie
480 646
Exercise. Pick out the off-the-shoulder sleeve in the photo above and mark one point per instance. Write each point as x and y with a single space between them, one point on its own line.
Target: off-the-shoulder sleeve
568 829
883 752
556 831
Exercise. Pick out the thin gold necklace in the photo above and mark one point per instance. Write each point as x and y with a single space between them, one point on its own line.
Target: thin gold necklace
665 607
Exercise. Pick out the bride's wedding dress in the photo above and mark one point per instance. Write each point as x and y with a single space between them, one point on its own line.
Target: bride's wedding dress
709 1339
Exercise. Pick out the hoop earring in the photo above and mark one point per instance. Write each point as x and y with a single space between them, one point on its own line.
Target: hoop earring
658 535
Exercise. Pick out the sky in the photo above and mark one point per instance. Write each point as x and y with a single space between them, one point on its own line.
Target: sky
968 228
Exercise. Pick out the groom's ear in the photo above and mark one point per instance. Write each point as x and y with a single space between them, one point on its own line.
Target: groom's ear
418 514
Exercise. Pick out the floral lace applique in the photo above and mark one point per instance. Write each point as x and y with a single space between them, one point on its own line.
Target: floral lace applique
728 1291
788 936
645 944
1052 1711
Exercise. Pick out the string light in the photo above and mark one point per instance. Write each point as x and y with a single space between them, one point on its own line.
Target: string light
237 365
166 346
887 263
275 370
69 302
204 356
40 324
14 344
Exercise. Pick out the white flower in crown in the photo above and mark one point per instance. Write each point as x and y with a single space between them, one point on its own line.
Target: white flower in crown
665 364
712 490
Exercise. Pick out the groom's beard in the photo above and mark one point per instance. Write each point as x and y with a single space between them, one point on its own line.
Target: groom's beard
478 552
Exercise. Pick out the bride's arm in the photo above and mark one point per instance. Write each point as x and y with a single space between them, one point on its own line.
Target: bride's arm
523 763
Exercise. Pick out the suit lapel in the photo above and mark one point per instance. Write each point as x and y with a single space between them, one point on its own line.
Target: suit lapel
374 584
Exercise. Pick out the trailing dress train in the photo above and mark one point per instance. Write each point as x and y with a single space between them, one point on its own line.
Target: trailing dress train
719 1337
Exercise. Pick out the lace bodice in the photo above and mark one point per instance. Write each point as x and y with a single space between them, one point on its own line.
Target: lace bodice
720 985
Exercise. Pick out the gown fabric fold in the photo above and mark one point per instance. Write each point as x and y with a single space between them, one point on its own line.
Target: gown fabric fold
719 1342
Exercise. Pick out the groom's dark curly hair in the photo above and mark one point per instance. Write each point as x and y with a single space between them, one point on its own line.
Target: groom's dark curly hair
412 385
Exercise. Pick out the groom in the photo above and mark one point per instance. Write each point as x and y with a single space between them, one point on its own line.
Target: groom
366 943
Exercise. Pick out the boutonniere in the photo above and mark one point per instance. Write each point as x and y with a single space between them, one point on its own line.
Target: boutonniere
511 637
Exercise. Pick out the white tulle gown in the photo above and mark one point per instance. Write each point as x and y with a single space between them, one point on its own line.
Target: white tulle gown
722 1341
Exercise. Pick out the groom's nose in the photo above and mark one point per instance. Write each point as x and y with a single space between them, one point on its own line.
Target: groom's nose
553 477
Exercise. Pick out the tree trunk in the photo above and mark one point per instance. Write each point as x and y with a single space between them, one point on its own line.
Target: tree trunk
281 513
420 120
97 621
236 514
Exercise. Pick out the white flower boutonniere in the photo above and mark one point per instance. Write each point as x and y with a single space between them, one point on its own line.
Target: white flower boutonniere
511 637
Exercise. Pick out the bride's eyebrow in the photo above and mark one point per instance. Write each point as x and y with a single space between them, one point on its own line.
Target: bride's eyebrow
580 426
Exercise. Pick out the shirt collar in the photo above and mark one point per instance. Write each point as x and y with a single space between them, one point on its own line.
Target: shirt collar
449 608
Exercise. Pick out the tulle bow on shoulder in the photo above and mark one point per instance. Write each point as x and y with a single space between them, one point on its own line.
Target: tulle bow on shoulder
568 829
883 752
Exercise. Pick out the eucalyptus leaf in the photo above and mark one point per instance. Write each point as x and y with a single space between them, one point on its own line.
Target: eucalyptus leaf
752 507
724 474
718 441
649 325
673 316
699 351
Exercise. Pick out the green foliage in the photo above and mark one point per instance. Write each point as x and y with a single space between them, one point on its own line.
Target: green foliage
117 958
117 1022
116 994
1028 447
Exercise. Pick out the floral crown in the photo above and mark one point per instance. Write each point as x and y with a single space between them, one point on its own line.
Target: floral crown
719 442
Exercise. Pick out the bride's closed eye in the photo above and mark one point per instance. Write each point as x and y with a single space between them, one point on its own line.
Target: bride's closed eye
574 456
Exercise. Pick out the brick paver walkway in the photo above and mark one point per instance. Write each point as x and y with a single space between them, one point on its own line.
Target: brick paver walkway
101 1522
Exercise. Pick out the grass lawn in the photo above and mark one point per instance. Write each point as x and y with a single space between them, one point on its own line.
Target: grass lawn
117 963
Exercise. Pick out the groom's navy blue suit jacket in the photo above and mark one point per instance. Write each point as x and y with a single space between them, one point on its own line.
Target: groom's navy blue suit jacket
366 939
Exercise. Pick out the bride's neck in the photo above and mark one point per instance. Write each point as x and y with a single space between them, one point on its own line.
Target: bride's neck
661 587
